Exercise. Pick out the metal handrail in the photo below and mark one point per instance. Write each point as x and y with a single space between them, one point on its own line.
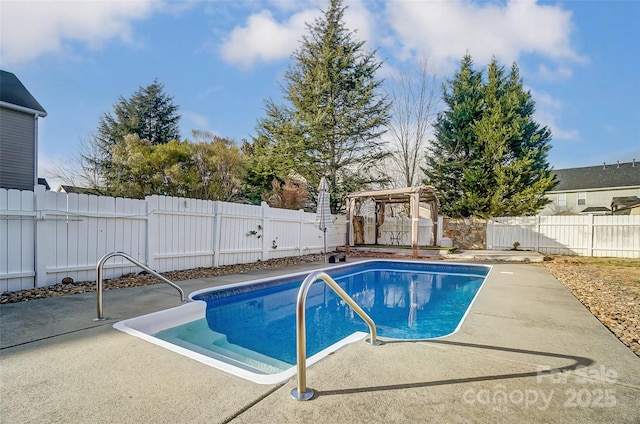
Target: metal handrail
99 273
302 392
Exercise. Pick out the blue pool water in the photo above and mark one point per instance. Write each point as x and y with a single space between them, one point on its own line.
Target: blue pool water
406 300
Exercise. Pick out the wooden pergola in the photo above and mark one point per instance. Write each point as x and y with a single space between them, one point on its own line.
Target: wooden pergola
411 195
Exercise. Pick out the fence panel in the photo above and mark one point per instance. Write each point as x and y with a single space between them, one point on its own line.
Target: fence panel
182 233
502 233
616 236
75 231
312 238
17 227
584 235
396 230
284 229
241 233
337 235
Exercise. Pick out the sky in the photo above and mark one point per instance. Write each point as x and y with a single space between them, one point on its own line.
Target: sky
221 59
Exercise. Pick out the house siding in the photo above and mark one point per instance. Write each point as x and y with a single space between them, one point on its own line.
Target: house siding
17 149
595 198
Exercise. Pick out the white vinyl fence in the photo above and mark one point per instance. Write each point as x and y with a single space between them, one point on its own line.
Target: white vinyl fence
46 236
584 235
397 230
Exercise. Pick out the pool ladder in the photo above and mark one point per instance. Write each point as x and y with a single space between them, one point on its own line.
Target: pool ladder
134 261
302 392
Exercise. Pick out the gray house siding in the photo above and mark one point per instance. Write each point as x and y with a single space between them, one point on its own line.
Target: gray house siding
18 131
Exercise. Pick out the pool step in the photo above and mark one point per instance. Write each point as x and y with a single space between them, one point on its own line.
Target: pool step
236 355
198 337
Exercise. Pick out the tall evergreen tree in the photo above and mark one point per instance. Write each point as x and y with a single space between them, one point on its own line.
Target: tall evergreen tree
334 116
149 114
489 157
456 144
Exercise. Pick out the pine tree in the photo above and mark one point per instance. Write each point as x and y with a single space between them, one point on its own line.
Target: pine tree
489 157
334 116
456 144
149 114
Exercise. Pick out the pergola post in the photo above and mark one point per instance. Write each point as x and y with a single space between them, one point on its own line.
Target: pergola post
350 206
434 219
415 221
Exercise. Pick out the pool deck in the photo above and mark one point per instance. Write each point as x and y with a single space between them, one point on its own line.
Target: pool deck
59 366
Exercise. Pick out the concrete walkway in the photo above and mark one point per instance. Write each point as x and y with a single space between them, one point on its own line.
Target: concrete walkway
528 352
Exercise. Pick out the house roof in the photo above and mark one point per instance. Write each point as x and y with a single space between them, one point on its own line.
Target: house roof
603 176
43 182
14 95
625 201
73 189
592 209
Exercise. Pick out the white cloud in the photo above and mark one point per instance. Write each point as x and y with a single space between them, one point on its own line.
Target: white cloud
263 38
445 31
547 113
295 5
359 19
31 29
559 73
193 120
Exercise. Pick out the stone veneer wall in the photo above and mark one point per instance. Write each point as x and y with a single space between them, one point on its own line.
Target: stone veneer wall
466 233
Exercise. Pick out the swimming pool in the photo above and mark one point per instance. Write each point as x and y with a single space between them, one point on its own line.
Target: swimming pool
249 329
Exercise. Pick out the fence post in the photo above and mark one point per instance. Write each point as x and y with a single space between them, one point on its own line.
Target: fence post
300 229
266 235
591 234
45 243
490 233
217 223
537 246
40 239
152 230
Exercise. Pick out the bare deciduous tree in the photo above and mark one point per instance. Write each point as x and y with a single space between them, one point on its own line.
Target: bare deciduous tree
78 170
414 108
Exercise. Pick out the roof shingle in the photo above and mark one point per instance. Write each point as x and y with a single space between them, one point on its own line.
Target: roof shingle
604 176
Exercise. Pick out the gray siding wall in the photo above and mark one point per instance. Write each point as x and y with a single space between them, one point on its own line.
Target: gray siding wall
17 150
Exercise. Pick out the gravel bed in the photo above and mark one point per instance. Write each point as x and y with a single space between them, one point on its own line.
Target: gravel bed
145 279
612 294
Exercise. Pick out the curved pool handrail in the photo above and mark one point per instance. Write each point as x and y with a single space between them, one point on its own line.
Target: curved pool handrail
99 275
302 392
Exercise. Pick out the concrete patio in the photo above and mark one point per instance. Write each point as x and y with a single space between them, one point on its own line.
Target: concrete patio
527 352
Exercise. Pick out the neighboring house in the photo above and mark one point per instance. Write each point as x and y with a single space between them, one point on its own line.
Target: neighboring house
45 183
629 205
73 189
629 210
19 113
594 189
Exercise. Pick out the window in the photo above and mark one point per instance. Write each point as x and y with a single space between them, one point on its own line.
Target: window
582 198
562 199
